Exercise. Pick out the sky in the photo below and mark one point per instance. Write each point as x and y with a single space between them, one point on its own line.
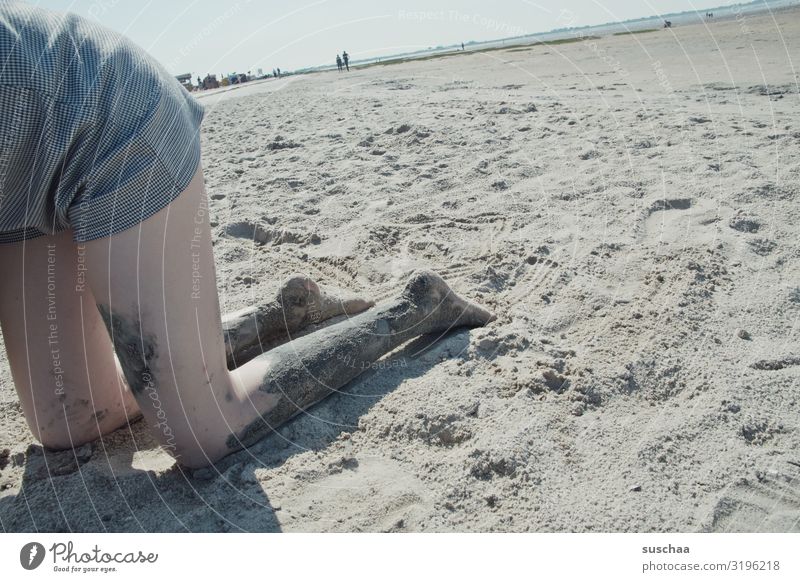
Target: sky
226 36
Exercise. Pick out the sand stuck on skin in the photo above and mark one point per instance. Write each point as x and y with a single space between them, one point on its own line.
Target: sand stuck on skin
627 205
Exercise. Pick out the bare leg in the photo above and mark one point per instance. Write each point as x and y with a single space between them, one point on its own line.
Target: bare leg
308 369
166 329
298 303
69 384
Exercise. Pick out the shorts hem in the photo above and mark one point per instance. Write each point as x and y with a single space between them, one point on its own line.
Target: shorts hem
112 213
20 235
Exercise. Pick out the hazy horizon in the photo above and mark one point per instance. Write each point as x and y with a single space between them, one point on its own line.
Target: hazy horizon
201 36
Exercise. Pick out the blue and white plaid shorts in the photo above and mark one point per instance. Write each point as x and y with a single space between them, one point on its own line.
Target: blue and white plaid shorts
95 136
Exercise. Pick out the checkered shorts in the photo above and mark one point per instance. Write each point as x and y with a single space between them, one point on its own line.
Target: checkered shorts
95 136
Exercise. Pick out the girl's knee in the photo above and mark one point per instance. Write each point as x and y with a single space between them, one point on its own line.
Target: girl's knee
71 424
58 436
190 455
192 444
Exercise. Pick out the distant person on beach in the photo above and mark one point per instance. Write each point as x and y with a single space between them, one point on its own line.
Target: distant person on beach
462 46
108 304
346 59
279 72
339 63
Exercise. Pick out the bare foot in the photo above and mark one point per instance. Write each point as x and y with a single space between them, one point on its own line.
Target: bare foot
444 309
304 303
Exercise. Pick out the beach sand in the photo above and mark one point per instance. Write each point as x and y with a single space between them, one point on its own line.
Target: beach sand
627 205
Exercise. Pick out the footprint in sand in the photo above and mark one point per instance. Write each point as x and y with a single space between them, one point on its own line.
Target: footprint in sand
537 280
680 220
763 504
275 236
333 501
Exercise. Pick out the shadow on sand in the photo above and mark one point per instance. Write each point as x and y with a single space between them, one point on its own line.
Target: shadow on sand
124 482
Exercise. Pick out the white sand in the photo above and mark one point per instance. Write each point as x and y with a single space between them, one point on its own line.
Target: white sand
626 205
